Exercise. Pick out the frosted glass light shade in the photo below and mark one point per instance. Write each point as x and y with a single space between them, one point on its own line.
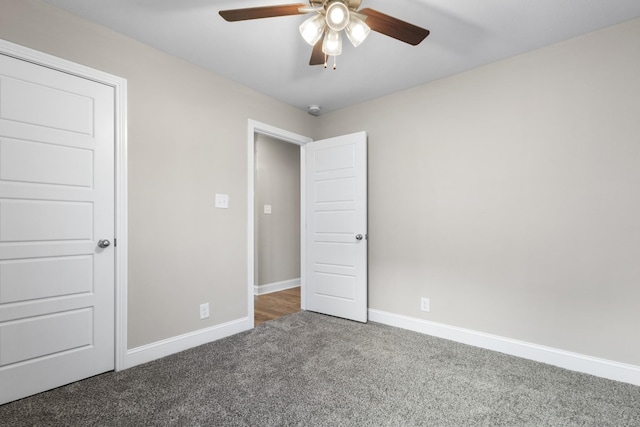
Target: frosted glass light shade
312 29
332 44
357 31
337 15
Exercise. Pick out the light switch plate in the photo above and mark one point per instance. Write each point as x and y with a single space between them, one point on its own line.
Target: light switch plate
222 201
267 209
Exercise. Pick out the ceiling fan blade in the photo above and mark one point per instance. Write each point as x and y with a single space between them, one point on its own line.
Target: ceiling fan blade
233 15
394 27
317 55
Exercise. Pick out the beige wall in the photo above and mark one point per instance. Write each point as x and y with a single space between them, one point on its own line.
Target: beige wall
510 196
187 141
277 234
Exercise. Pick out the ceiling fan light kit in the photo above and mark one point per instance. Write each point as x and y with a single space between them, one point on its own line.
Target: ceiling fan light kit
331 17
312 29
357 31
337 15
332 44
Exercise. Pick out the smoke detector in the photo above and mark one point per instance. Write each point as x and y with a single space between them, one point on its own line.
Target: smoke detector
314 110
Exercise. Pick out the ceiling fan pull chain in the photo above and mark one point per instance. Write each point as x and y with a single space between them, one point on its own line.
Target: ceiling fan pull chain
325 61
334 62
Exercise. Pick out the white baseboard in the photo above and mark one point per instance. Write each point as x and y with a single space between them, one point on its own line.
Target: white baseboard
276 286
573 361
156 350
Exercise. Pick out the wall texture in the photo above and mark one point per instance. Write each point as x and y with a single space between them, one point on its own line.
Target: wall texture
187 141
277 234
510 196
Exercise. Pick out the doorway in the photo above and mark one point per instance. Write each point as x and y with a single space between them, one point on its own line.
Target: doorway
275 238
277 228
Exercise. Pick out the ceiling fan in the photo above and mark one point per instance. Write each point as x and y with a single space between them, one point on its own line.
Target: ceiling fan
329 19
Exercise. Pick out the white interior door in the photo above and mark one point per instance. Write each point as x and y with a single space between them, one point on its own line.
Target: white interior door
56 203
336 219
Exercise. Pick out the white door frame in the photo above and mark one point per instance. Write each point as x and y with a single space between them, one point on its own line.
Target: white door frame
254 128
120 114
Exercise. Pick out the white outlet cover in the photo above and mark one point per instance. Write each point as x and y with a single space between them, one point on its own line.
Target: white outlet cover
425 304
204 310
267 209
222 201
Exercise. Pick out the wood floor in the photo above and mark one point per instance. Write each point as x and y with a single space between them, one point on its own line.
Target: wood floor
276 304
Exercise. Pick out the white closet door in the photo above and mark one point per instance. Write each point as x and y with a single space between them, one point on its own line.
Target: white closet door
56 205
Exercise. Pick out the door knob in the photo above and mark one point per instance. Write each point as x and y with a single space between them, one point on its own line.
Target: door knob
104 243
358 236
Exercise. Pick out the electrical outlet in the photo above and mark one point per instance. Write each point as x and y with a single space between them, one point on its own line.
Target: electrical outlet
424 304
204 310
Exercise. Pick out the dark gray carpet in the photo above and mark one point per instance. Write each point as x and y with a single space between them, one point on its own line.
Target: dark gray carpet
312 370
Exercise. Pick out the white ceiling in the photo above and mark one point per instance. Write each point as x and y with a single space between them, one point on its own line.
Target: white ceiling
270 56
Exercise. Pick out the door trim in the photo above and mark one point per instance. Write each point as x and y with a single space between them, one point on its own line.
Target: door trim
121 180
254 128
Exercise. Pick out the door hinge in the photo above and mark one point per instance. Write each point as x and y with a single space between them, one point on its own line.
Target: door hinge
115 243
